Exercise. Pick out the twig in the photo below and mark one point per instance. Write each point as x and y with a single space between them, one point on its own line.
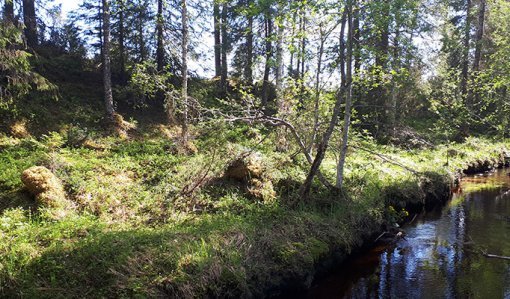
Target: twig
380 236
501 257
185 191
387 159
412 220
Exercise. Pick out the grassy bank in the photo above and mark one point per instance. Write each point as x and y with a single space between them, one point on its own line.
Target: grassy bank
143 227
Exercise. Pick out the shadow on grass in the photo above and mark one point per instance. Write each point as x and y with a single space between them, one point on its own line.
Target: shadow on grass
217 256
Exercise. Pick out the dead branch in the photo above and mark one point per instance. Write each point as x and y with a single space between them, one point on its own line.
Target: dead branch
496 256
189 189
380 236
387 159
258 116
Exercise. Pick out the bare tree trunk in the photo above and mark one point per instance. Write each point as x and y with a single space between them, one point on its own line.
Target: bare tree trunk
248 69
30 20
323 145
141 40
348 100
479 41
269 53
279 61
381 61
357 37
160 48
107 75
100 31
479 35
217 38
122 49
317 91
184 72
465 58
391 113
9 11
292 53
224 46
303 53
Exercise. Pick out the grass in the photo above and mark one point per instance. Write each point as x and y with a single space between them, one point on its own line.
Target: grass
137 234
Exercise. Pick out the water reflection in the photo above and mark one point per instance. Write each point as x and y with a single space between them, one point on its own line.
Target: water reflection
441 256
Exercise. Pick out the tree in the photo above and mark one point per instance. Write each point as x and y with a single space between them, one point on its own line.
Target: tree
348 97
160 49
185 71
224 46
122 35
107 75
30 20
465 53
17 75
248 68
217 38
326 137
9 11
268 31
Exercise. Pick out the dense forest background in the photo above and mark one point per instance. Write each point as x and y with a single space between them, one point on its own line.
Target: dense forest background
391 68
204 121
434 64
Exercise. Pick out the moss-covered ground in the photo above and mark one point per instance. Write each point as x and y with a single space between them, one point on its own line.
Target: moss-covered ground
151 220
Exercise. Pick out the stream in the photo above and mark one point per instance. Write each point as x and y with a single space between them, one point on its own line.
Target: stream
442 255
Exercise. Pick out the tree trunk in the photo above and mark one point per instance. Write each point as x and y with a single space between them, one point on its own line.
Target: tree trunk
184 72
224 46
391 111
122 48
279 62
479 35
303 52
357 37
217 38
141 41
465 58
292 52
160 48
323 145
348 100
479 41
30 20
107 75
317 91
248 69
100 31
380 94
9 11
269 53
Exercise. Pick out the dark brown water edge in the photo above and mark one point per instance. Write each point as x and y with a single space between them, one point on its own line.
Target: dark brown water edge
343 267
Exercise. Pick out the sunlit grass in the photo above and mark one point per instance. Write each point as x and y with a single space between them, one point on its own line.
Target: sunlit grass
136 235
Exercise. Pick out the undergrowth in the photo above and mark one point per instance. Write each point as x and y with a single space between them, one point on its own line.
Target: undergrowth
145 227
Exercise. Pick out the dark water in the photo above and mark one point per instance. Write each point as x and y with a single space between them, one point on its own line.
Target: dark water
442 256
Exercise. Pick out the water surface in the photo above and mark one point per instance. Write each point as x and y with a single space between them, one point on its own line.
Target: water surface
442 255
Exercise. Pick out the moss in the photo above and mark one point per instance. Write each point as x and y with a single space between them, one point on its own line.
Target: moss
48 191
137 233
317 248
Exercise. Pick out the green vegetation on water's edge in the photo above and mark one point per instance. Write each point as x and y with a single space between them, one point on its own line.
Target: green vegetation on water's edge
138 230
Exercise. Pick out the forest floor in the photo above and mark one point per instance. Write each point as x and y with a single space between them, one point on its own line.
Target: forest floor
150 219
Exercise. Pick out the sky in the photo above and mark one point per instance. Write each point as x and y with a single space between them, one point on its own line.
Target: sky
426 44
68 5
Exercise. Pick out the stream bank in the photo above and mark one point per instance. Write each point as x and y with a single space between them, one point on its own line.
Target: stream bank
128 239
458 251
432 193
